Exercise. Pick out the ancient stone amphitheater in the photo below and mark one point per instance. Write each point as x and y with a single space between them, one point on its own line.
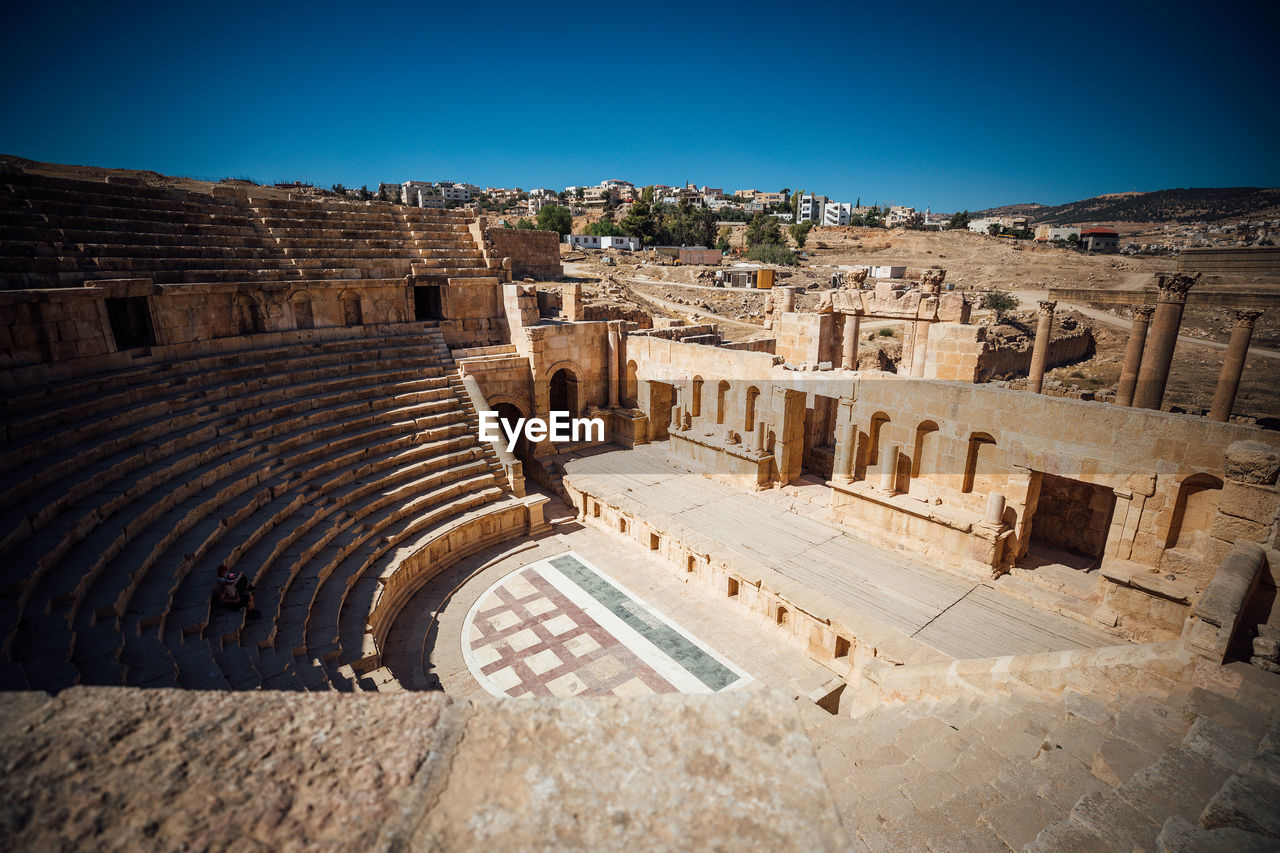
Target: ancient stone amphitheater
867 610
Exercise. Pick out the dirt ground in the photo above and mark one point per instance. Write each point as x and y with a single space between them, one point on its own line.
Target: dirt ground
975 263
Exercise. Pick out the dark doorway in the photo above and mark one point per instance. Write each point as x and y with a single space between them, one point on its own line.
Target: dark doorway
820 436
510 416
427 303
130 322
1072 516
564 392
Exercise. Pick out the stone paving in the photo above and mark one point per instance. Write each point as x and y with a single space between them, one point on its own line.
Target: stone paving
560 628
728 637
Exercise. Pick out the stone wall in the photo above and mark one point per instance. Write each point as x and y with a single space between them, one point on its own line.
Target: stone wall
473 313
1250 260
69 324
533 254
965 353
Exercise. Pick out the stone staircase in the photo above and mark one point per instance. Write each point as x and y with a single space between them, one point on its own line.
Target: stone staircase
308 466
1185 768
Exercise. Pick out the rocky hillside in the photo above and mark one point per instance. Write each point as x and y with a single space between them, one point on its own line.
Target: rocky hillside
1204 204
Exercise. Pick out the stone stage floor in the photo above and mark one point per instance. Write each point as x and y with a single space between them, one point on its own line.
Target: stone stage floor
959 617
610 618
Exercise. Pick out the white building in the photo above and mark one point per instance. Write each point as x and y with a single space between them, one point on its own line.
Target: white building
982 226
584 241
1045 233
592 241
811 208
888 272
899 215
835 213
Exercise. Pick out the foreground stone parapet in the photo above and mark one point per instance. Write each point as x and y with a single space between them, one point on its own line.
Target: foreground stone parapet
119 768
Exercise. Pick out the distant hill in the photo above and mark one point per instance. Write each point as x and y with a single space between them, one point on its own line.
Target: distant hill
1027 209
1202 204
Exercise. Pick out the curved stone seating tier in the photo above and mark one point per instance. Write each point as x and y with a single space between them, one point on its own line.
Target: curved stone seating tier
67 231
129 439
305 466
135 536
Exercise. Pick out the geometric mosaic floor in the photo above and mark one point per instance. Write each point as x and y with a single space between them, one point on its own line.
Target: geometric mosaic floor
558 627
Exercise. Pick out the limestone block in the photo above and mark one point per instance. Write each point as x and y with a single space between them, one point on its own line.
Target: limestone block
1253 462
1233 530
1253 502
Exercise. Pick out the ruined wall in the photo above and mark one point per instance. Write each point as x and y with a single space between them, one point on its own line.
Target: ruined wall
966 354
54 326
1245 260
533 254
473 313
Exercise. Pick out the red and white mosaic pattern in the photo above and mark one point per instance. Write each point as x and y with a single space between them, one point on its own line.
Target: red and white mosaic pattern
524 637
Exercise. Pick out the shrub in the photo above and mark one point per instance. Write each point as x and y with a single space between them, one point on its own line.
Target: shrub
772 253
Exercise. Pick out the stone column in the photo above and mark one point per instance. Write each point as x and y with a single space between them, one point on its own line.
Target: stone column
612 352
844 454
1233 365
889 473
849 343
995 510
1153 376
760 437
919 347
677 418
788 300
1040 352
1133 354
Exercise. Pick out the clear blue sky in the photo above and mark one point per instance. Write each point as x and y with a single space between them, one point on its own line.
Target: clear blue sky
948 105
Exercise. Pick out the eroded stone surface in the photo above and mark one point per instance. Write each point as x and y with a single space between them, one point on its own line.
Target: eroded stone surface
120 768
665 772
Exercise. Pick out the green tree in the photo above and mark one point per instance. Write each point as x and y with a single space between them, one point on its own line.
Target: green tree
722 238
524 224
994 229
553 217
1073 240
640 221
959 221
772 253
800 233
579 194
763 229
1001 302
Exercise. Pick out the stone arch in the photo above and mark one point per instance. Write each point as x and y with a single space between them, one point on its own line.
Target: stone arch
749 416
1193 511
875 436
563 391
303 315
695 397
722 400
352 312
981 445
924 452
631 386
509 413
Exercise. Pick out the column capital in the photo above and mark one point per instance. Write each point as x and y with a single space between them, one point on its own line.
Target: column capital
1174 286
1144 312
1247 318
1047 306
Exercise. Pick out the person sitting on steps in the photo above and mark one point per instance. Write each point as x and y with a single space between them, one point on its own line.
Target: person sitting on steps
233 591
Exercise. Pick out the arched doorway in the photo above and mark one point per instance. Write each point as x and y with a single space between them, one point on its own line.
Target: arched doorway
564 392
510 415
